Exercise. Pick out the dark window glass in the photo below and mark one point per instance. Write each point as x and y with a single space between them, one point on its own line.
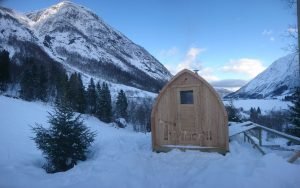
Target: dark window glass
186 97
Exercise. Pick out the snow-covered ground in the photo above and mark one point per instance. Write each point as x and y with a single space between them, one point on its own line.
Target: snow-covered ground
123 158
265 105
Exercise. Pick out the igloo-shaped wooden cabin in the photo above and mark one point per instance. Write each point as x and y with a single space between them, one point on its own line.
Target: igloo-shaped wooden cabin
188 114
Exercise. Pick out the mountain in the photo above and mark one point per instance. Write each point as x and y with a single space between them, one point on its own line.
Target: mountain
81 41
279 79
222 91
17 37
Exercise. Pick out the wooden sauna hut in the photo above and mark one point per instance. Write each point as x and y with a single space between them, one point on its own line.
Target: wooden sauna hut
189 114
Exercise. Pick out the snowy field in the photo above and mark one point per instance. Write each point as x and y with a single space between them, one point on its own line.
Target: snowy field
264 104
123 158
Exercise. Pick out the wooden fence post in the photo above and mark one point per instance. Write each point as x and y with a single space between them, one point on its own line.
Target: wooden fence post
259 136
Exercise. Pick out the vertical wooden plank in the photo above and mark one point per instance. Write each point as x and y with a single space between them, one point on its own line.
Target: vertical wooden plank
259 137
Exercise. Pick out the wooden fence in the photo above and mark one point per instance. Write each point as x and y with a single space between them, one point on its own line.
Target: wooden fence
246 127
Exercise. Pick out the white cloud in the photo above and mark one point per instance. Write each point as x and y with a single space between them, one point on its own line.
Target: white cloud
267 32
250 67
190 61
208 74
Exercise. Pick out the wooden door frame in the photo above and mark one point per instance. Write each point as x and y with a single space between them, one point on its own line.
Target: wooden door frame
195 89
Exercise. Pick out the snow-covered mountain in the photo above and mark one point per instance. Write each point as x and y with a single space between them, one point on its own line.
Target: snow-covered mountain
76 37
222 91
279 79
17 37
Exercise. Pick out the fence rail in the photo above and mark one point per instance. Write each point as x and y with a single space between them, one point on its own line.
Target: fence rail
246 127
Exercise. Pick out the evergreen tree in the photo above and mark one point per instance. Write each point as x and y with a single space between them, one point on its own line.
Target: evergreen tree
66 141
121 105
72 91
258 111
253 115
27 81
4 70
81 103
295 113
42 89
104 109
98 101
61 85
232 112
98 88
76 93
34 81
91 97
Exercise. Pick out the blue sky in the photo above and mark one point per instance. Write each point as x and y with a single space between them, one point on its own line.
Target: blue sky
224 39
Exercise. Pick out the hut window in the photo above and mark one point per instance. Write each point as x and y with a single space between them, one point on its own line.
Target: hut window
186 97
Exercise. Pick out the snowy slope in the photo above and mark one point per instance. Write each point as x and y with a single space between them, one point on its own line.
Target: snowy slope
12 22
79 39
266 105
222 91
278 79
122 158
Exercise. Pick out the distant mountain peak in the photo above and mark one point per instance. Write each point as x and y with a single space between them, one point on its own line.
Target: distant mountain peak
80 40
60 8
279 79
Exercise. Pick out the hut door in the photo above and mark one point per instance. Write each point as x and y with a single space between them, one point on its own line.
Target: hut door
187 115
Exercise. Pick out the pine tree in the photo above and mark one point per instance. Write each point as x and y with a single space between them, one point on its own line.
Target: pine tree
91 97
61 85
253 115
71 90
121 105
4 70
35 80
295 113
232 112
42 89
98 93
81 103
258 111
27 81
66 141
76 93
104 112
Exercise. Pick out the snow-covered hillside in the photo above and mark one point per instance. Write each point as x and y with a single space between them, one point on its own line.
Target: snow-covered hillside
76 37
222 91
123 158
278 79
266 105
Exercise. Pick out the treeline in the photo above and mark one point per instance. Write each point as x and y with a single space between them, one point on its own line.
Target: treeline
287 121
49 81
105 68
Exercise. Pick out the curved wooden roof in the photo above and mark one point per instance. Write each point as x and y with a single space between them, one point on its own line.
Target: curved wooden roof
161 93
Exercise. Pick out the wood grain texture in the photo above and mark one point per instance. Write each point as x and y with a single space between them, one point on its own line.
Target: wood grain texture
203 123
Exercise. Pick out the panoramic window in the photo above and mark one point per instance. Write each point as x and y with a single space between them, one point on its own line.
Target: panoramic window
186 97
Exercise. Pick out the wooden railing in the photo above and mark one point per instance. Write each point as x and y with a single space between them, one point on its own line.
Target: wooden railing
258 146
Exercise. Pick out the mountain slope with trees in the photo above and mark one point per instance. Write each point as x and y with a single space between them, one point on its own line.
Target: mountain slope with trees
78 39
